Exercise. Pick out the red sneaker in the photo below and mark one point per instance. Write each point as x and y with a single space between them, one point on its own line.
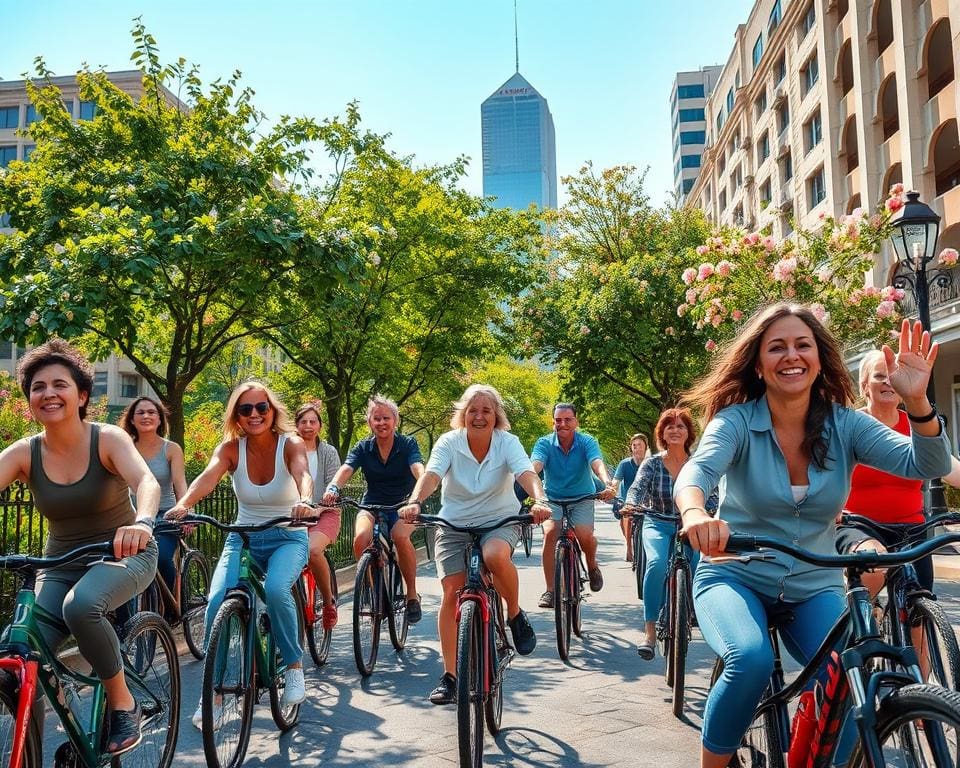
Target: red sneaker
329 616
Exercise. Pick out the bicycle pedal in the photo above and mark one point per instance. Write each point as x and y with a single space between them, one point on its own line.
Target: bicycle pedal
66 756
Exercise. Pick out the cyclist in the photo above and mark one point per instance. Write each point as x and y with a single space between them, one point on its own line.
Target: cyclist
145 420
477 462
568 459
271 478
79 474
781 435
653 489
623 477
323 460
391 464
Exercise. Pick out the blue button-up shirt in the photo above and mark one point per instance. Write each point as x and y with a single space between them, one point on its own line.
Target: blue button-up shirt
567 474
740 446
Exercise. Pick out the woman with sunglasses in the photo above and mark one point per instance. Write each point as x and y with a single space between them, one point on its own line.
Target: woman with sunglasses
271 478
145 420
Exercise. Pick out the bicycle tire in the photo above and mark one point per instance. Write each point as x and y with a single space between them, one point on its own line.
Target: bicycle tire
470 686
561 601
318 638
897 718
396 600
194 588
681 638
366 614
226 668
152 671
639 564
576 591
493 706
665 628
526 535
761 745
285 716
9 700
942 649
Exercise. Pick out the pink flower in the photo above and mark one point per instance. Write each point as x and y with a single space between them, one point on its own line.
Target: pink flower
822 215
737 315
871 291
896 190
894 204
682 310
724 268
855 296
716 320
689 275
769 243
584 330
703 250
889 293
948 257
783 269
670 331
691 296
710 345
885 309
824 274
819 311
705 270
789 292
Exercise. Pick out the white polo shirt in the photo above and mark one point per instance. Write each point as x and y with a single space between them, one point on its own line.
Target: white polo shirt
478 493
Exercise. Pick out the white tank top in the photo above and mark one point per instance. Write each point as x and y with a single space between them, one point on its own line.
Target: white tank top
259 503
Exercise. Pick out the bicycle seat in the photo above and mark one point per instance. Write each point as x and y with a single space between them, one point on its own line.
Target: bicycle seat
779 616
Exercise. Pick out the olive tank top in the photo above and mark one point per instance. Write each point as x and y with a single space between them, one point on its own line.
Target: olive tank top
85 512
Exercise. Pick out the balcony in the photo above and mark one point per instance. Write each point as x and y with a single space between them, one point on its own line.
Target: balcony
891 152
940 108
784 200
852 183
886 64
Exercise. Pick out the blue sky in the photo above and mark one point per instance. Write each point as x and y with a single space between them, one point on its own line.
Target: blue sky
418 68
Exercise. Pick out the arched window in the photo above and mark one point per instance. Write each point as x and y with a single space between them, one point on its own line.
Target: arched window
949 238
946 158
939 63
883 24
853 203
889 113
850 146
846 68
894 175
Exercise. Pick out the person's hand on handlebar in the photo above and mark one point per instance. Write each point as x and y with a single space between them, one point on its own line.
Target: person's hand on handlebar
607 493
177 512
410 511
303 509
540 511
707 535
131 539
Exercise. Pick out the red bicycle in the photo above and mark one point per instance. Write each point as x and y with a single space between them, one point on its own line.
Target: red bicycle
318 638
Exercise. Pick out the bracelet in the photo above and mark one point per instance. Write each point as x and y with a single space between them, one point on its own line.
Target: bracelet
683 512
924 419
150 522
541 501
414 501
333 488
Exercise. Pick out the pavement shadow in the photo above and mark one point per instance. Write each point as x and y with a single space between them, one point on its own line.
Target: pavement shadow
529 746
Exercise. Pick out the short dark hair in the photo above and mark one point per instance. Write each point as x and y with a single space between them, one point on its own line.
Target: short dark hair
565 407
57 352
126 420
305 409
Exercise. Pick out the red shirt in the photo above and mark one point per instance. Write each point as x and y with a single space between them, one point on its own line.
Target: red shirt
884 497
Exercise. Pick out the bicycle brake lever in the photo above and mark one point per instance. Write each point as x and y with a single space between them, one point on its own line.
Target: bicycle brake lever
744 558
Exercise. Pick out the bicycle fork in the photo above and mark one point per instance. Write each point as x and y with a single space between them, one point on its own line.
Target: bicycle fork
480 599
25 672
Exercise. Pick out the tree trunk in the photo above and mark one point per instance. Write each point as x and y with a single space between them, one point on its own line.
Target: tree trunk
173 399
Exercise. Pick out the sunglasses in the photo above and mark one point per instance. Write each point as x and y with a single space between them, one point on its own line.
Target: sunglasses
246 409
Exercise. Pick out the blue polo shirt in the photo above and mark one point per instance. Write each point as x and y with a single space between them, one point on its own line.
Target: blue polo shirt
567 475
626 472
390 481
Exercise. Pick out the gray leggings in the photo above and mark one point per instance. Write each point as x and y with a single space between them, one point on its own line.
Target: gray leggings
82 595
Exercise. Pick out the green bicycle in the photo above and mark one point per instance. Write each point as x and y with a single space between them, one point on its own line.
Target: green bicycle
28 666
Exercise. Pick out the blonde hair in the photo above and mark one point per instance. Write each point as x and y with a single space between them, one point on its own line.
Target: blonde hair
281 425
386 402
870 359
472 392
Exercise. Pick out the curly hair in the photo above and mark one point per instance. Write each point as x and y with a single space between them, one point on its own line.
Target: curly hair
57 352
672 416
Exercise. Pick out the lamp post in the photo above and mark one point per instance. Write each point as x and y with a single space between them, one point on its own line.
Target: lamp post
915 232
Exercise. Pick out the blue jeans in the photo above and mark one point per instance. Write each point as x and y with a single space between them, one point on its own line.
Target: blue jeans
658 539
167 547
282 553
733 620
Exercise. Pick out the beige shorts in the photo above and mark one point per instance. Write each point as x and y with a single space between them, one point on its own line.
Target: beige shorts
450 547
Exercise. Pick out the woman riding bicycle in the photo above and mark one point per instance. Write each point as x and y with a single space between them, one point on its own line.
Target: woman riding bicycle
79 474
323 460
271 478
391 464
623 478
477 462
784 440
145 420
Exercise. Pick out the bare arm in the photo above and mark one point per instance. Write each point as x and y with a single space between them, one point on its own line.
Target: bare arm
340 479
426 484
15 463
121 456
177 470
534 488
600 469
295 456
416 469
223 460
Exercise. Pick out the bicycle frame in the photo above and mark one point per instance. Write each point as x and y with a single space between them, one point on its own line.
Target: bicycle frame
477 590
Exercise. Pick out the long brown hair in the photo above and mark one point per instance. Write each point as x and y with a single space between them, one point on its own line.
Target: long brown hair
734 378
126 419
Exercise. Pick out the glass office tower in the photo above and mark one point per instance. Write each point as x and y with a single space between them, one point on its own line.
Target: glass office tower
519 147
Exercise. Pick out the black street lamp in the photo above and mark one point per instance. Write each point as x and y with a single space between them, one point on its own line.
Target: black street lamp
915 232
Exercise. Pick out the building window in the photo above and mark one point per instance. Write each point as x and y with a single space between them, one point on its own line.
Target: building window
32 115
939 58
774 20
6 350
129 385
738 216
816 188
722 162
760 105
846 68
783 116
811 73
687 185
99 384
738 177
693 137
809 20
786 168
763 147
757 50
889 108
690 161
813 131
8 154
723 200
719 122
88 110
781 69
765 193
28 150
691 115
730 101
9 117
851 146
694 91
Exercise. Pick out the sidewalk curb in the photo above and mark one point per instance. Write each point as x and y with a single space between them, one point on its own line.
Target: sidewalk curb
946 567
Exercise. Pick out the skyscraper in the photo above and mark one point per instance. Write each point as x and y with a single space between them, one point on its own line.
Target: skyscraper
687 100
519 147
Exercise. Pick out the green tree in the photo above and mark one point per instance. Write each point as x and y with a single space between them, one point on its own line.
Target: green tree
160 229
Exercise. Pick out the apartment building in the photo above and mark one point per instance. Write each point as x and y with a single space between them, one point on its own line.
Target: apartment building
688 98
821 107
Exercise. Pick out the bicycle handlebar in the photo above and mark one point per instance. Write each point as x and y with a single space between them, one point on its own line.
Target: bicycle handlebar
914 529
22 562
511 520
254 528
562 502
345 501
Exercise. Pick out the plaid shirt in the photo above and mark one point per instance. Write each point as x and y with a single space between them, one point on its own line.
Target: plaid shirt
652 488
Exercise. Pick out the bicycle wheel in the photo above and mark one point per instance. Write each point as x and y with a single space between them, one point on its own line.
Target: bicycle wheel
639 564
576 592
470 641
9 699
939 643
761 746
366 614
318 638
152 672
285 715
917 725
665 627
526 535
194 588
493 707
396 600
562 600
680 616
228 692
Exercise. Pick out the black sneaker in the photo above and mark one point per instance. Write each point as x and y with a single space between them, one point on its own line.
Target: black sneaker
596 579
124 730
414 612
524 638
546 600
446 690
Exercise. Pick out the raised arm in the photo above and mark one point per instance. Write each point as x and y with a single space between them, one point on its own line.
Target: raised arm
223 460
177 470
295 457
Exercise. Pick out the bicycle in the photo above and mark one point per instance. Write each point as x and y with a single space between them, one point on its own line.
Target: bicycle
639 564
899 719
242 658
318 638
526 538
568 578
185 605
378 592
28 667
483 649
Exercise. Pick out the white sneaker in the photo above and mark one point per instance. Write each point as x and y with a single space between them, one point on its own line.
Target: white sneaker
294 689
197 718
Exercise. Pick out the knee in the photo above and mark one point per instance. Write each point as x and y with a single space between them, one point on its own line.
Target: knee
750 666
278 590
317 546
496 555
81 609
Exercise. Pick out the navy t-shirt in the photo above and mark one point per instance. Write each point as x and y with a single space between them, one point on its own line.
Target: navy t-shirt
389 482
